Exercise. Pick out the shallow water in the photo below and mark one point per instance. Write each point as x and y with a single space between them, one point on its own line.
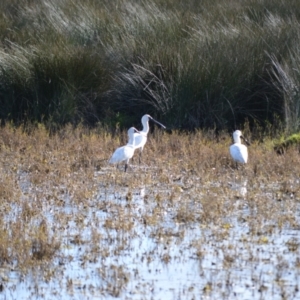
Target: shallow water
140 243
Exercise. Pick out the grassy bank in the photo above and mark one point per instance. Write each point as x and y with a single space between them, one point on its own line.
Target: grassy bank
198 64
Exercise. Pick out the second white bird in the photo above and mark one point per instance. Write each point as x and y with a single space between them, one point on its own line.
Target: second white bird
124 153
238 151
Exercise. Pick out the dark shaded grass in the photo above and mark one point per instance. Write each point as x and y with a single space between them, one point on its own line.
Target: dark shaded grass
197 64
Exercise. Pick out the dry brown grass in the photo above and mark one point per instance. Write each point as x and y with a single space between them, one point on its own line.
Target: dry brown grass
188 178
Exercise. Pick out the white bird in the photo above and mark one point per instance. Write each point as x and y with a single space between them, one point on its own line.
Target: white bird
238 151
126 152
140 138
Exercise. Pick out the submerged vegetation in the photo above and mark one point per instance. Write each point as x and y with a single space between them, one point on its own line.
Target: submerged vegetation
70 219
197 64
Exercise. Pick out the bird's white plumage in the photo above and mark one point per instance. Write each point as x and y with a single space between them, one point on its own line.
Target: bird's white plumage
140 138
124 153
238 151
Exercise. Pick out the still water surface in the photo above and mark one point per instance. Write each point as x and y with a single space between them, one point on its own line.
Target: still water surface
133 244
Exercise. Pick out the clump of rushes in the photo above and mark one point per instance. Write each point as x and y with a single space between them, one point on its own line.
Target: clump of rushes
291 141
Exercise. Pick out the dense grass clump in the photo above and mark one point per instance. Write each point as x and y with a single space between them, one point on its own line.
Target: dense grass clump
198 63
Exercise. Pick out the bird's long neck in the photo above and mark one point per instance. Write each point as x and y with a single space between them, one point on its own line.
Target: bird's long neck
145 128
237 140
131 141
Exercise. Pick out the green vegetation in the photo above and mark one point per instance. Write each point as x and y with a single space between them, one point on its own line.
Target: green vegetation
194 64
283 144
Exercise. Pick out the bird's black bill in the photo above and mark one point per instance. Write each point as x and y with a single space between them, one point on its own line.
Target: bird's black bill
163 126
246 141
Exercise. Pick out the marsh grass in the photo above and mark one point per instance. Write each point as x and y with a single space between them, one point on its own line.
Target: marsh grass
57 192
282 145
198 64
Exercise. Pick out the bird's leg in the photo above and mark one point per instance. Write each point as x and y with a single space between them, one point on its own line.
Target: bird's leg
140 156
126 165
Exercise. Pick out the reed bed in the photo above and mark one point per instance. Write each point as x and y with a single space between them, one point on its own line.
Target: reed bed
201 64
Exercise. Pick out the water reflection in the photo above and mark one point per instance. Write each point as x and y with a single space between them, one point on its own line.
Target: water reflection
240 186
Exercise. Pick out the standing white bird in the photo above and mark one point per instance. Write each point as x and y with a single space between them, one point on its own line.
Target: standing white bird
238 151
126 152
140 138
